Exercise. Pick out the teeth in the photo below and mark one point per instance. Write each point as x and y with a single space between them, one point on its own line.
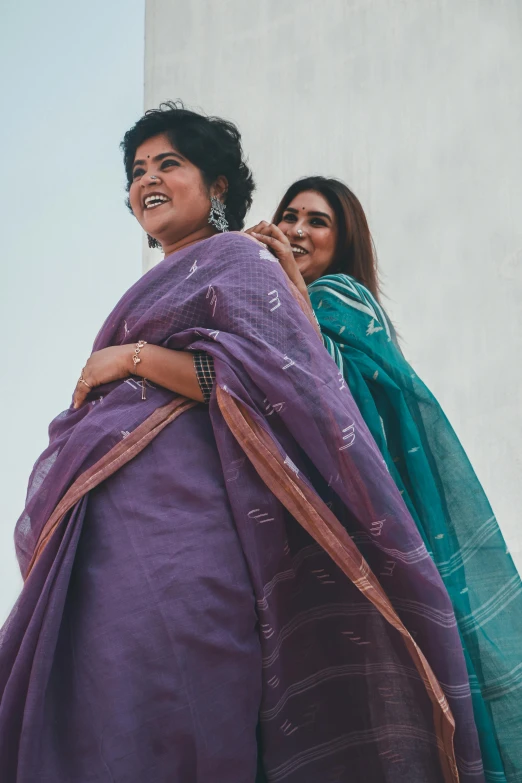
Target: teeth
154 201
298 250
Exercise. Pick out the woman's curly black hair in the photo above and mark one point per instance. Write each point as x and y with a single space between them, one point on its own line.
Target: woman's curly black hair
210 143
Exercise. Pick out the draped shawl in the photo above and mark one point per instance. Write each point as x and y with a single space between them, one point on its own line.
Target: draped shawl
334 556
448 504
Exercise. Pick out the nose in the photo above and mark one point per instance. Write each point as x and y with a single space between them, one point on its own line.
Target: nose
297 231
150 179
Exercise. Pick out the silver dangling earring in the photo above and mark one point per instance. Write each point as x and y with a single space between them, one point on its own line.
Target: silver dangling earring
217 215
152 242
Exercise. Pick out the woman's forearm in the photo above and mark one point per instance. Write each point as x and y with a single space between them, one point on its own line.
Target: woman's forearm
173 370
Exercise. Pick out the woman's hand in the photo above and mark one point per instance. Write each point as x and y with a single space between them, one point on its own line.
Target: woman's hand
109 364
272 236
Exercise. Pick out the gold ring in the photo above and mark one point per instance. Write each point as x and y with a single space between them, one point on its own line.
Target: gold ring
81 379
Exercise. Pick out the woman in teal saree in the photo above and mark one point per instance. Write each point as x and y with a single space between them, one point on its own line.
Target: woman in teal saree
320 234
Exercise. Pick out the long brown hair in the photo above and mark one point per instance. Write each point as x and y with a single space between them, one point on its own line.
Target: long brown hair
355 252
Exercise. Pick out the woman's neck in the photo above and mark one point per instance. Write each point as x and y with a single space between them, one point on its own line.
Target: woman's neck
190 239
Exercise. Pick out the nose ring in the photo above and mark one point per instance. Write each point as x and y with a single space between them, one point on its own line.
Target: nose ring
152 176
300 232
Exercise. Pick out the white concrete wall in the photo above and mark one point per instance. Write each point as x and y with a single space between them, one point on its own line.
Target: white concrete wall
417 105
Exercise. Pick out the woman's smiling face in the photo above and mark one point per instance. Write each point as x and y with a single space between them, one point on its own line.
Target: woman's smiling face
310 224
167 194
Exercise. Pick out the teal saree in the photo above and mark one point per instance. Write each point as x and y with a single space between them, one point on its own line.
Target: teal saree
448 504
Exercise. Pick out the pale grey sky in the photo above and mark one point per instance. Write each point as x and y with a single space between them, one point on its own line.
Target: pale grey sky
71 84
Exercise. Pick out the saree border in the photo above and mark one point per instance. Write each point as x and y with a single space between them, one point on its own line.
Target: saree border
324 527
118 456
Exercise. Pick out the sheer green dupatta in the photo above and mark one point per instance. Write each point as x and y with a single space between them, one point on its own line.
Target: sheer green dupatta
445 498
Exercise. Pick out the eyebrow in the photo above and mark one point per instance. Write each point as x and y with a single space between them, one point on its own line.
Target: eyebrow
313 214
159 157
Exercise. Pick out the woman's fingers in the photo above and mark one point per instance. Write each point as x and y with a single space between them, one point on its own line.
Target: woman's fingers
272 236
78 398
270 229
258 228
283 253
281 248
79 395
276 232
83 387
275 245
266 238
267 241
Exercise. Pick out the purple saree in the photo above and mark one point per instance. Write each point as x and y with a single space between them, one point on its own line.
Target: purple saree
194 599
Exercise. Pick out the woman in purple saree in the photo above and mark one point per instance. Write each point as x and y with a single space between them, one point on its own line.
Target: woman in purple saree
194 606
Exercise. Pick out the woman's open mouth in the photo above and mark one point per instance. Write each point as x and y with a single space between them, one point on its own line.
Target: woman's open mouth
298 251
154 200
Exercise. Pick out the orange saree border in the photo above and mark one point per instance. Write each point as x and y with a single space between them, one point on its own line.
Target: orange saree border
118 456
317 519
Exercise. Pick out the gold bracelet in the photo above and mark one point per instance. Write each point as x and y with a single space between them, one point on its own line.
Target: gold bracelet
136 360
136 355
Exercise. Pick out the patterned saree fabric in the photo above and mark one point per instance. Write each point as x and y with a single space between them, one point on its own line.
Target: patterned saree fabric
214 592
448 504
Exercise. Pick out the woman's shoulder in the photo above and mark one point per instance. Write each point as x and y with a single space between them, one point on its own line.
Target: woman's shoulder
242 255
242 250
344 284
236 240
344 293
